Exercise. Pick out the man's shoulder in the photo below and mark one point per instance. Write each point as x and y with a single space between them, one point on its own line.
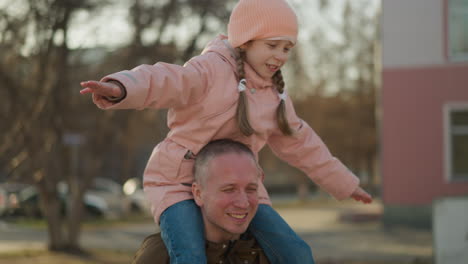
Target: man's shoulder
152 250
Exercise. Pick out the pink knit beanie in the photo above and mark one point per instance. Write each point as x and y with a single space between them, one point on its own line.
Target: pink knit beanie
261 19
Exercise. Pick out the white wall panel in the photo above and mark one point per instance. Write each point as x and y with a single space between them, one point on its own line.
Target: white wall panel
412 33
450 227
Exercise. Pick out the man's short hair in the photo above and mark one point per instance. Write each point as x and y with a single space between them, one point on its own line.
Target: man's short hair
216 148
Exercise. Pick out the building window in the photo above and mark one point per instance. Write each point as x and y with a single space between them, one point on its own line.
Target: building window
456 141
457 30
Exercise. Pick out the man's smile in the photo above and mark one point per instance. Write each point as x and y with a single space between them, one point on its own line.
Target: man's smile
238 216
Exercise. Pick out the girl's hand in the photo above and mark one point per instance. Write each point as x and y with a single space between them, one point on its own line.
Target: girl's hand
361 196
104 89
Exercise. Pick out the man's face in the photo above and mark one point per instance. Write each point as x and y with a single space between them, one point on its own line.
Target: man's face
228 197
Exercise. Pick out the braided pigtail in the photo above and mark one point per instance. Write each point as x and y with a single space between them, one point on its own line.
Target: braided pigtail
281 110
242 105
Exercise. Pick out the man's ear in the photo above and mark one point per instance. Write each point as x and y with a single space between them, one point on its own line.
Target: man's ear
196 191
262 174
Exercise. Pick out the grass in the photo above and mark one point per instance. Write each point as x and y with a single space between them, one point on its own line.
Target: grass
318 202
50 257
118 257
87 224
89 256
94 256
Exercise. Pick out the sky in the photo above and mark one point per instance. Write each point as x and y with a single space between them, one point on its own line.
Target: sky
110 28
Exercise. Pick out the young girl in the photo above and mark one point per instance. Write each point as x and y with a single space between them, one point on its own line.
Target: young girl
235 90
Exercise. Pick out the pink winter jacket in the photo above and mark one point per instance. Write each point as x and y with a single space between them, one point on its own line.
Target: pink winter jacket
202 99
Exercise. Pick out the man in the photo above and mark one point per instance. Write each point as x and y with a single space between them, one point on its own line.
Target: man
225 188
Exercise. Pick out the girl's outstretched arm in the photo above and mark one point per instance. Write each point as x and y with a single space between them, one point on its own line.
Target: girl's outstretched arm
161 85
361 196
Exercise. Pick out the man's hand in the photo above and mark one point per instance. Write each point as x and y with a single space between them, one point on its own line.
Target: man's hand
361 196
104 89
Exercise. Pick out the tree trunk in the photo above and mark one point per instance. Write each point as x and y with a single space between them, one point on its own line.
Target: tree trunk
51 208
76 188
373 172
74 218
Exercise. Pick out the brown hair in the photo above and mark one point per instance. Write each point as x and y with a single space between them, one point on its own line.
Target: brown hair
242 106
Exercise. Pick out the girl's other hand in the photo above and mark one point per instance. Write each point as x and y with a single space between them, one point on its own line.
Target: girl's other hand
106 89
361 196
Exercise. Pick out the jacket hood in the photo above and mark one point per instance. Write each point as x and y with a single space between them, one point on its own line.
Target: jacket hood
221 46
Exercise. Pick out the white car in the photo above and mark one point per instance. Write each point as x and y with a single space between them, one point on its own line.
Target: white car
137 202
111 192
105 196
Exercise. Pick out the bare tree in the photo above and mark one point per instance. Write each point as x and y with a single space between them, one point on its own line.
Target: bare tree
44 118
37 115
334 81
144 129
350 65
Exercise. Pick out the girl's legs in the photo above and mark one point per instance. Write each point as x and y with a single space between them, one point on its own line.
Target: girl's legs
279 242
182 231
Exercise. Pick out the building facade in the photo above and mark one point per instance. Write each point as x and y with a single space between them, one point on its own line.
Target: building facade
424 128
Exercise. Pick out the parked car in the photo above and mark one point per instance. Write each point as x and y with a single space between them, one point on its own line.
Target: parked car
105 198
29 206
112 193
106 193
9 197
137 202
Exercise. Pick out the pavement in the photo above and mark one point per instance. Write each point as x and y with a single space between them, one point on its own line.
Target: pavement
336 231
354 232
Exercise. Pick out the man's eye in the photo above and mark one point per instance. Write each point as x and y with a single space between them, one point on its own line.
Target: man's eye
229 190
251 190
287 50
271 45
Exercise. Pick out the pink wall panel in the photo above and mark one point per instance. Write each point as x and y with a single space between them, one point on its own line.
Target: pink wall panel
412 132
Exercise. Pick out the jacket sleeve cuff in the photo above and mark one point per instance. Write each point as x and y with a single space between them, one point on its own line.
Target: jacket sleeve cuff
114 99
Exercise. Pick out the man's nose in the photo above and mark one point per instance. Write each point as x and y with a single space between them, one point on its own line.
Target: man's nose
242 200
